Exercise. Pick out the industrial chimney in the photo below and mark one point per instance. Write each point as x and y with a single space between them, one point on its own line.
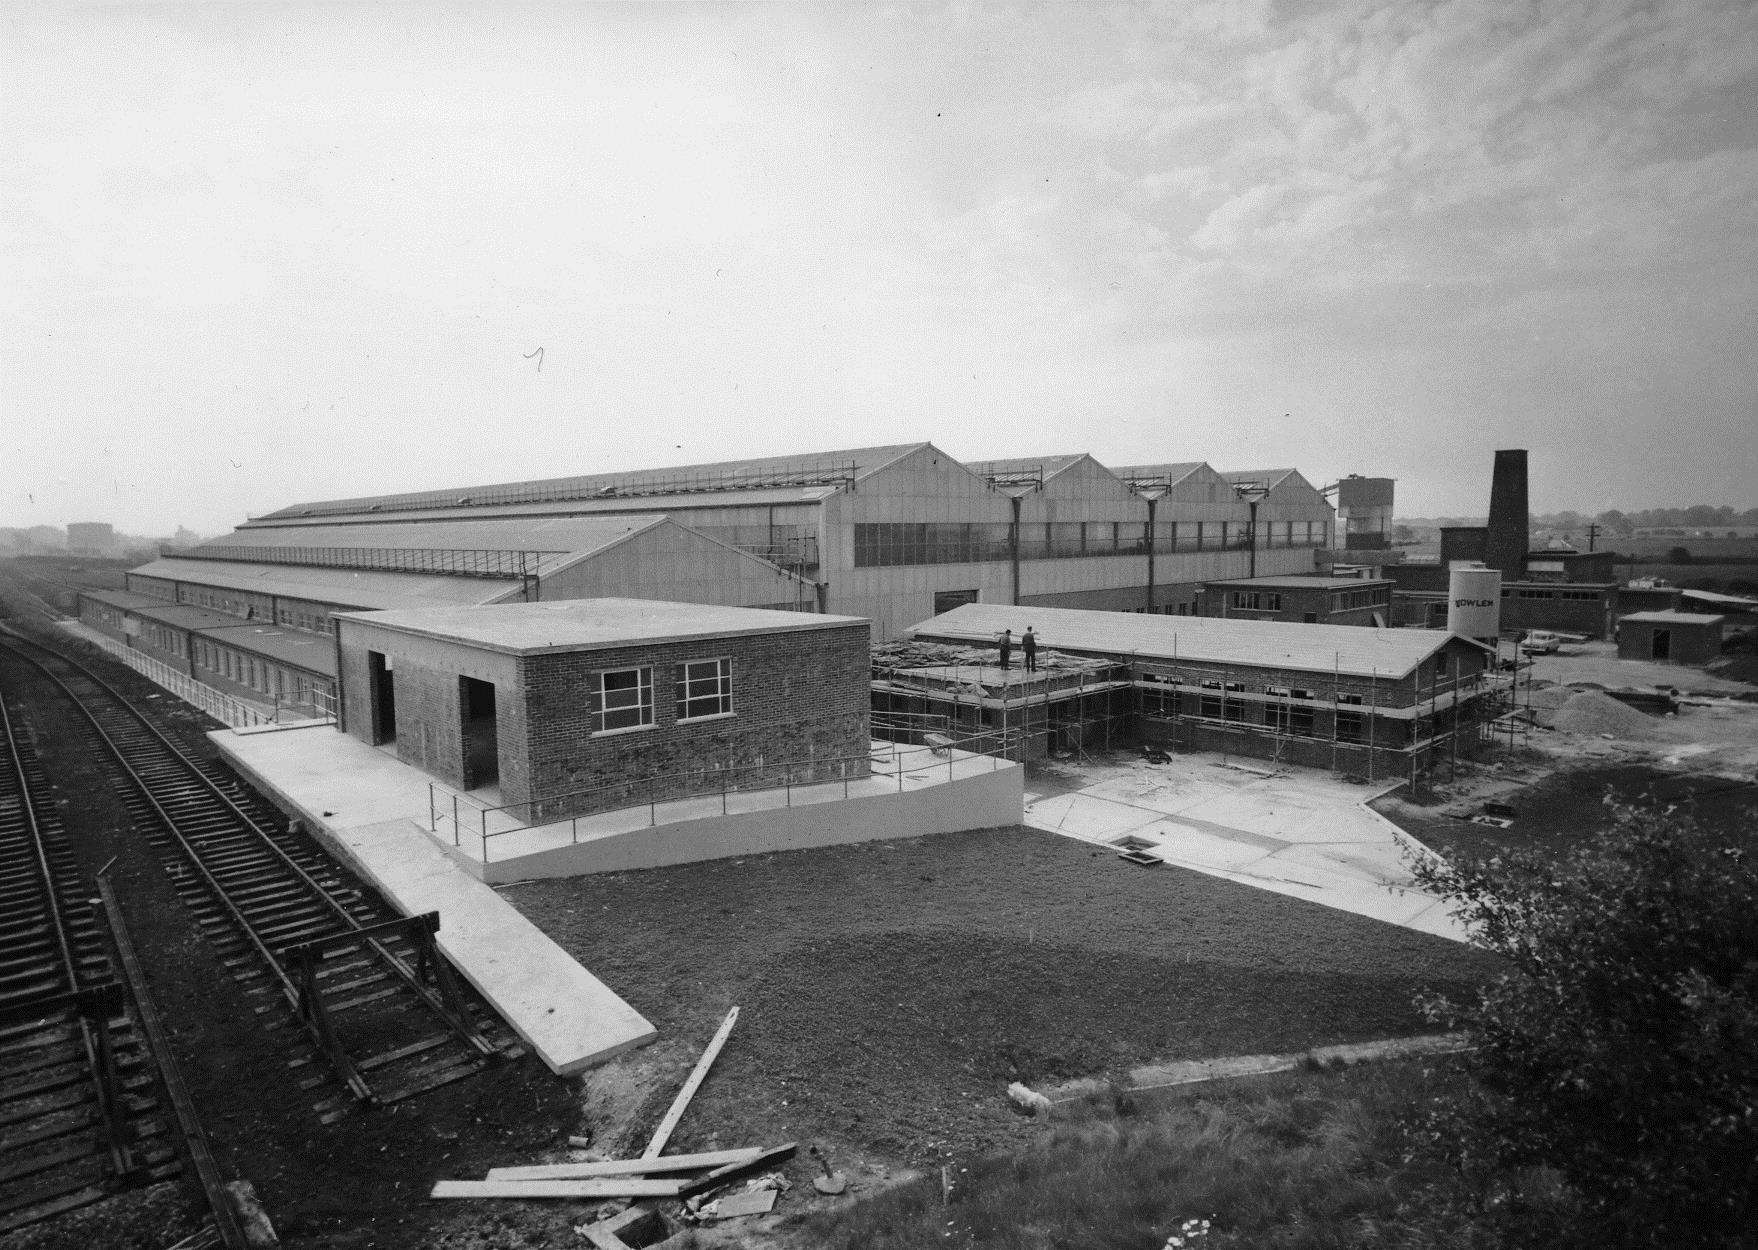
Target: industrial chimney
1509 526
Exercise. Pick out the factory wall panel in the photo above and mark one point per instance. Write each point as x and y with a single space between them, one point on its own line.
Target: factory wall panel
675 564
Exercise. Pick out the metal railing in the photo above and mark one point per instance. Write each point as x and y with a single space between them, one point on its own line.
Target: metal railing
445 561
225 708
722 785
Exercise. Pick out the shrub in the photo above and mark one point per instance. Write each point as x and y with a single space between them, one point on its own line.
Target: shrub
1621 1046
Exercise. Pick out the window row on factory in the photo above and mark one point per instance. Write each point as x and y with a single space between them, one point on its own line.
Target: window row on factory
256 674
880 544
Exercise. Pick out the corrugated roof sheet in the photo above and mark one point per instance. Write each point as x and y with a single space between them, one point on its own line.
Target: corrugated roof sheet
1356 650
867 460
127 599
585 624
612 506
356 588
1297 582
1672 618
1170 474
1051 465
572 536
1273 477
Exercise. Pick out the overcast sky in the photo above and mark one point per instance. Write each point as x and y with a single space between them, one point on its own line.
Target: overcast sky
261 253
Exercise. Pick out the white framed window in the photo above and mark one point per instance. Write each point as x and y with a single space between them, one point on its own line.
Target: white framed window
625 699
704 689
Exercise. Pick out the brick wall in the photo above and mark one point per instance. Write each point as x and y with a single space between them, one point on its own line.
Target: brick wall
799 698
425 676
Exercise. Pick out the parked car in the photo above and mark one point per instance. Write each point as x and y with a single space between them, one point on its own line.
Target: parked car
1540 642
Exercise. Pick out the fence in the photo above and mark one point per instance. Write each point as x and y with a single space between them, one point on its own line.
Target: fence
464 808
223 707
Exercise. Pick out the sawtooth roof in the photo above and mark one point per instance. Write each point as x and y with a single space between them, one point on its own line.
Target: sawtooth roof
1353 649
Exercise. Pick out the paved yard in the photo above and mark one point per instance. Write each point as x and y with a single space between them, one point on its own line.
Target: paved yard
1297 831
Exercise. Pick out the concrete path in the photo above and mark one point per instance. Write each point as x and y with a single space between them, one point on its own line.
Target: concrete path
1170 1075
370 809
1297 832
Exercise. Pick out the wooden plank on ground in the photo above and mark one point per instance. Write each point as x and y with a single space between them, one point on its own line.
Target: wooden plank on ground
663 1133
588 1187
625 1167
773 1155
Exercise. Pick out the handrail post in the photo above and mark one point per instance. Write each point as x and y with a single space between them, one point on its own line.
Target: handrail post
456 832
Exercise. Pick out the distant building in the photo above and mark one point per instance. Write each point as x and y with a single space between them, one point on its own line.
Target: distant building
91 538
1304 600
1670 637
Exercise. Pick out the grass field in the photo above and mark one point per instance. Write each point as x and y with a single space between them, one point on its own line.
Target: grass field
1297 1161
890 991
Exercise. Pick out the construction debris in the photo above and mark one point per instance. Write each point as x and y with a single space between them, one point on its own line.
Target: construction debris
749 1202
1028 1099
589 1187
664 1131
625 1167
831 1182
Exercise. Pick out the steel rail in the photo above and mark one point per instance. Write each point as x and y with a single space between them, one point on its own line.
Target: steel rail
346 1068
194 1136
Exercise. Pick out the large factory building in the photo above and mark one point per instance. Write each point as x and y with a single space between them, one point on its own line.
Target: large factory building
894 534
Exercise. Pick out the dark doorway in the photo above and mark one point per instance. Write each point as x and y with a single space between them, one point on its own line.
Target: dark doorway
384 697
1663 644
946 600
481 746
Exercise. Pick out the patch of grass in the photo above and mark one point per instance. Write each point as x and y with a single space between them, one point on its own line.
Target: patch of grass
1298 1161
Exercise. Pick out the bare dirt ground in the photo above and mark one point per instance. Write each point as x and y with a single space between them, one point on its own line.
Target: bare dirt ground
890 991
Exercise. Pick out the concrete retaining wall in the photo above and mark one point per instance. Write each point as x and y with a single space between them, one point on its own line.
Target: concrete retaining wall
989 799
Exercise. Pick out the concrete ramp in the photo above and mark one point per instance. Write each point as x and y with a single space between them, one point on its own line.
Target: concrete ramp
345 791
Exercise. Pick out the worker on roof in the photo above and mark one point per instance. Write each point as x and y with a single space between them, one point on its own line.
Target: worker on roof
1005 643
1029 644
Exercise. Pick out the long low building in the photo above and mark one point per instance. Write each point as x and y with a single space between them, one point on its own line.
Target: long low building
1373 702
253 614
892 533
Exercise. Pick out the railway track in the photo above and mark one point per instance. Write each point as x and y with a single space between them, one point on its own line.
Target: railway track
78 1111
372 1012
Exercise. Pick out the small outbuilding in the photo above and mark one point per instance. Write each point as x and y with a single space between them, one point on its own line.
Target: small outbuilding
574 706
1670 637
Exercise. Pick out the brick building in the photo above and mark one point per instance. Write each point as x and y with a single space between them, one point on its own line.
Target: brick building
1304 600
1670 637
588 705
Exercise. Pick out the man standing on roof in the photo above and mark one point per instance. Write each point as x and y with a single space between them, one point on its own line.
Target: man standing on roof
1029 644
1005 642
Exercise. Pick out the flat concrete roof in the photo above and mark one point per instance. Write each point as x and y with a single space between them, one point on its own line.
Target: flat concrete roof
1296 582
316 653
128 600
1358 650
591 624
1671 618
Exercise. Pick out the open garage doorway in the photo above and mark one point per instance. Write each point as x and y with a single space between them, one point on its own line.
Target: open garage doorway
481 743
384 697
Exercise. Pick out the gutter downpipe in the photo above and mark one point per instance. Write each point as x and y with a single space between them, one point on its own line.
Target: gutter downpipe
1149 605
1013 546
